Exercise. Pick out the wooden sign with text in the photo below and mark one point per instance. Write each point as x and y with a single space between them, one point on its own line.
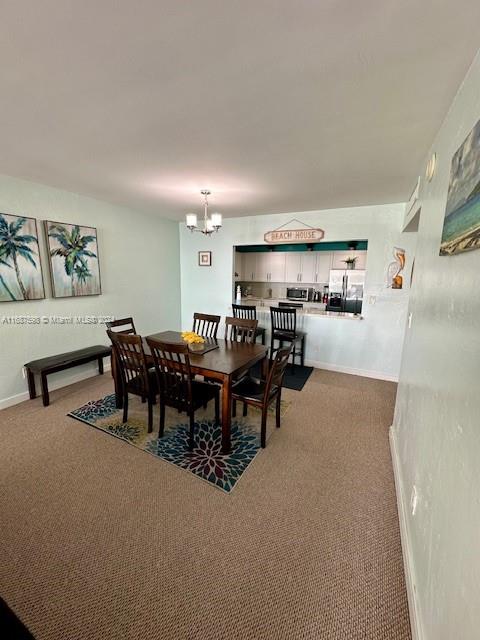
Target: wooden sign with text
294 235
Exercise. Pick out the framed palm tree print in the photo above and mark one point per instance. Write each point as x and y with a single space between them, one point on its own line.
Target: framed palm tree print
74 264
20 269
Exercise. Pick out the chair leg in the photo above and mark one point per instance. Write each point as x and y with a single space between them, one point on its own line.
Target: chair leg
263 337
150 415
217 408
277 412
272 346
263 433
302 361
245 409
234 408
192 427
125 407
293 360
162 420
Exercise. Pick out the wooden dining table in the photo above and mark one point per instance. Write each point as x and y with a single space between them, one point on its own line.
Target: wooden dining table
224 363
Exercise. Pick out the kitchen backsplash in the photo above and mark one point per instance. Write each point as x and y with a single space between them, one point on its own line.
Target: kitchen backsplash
272 289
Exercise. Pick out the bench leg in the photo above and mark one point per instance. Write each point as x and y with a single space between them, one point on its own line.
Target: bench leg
31 384
45 396
100 366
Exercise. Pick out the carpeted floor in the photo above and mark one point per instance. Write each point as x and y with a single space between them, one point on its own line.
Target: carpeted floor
100 541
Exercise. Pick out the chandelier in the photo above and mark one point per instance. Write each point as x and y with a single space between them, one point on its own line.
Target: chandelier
211 223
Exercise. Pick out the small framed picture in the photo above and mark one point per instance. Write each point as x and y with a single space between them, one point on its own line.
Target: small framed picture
204 258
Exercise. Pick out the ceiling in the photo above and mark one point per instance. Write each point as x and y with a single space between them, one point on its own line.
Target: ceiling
275 105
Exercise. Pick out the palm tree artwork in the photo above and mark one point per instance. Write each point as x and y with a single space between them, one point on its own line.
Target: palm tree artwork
20 275
74 259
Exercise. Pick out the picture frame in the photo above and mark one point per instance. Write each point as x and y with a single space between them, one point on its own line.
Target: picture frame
204 258
73 259
21 274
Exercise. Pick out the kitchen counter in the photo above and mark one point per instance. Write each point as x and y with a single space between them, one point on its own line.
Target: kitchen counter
310 309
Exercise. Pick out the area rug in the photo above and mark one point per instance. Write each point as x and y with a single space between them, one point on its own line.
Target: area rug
206 461
295 381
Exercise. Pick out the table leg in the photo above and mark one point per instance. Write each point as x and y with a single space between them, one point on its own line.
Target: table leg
226 413
100 366
31 384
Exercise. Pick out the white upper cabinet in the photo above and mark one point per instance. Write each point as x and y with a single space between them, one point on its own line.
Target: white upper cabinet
276 266
249 267
324 264
293 266
339 257
238 266
308 268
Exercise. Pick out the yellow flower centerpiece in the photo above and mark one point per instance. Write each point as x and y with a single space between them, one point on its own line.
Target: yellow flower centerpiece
194 341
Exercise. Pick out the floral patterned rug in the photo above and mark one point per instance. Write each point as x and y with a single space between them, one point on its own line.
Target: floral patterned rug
206 461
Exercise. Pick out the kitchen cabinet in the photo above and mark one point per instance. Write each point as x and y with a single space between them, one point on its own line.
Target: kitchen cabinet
339 257
270 267
324 264
307 267
238 266
293 266
249 267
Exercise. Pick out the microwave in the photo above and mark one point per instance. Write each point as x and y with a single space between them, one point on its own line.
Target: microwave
304 294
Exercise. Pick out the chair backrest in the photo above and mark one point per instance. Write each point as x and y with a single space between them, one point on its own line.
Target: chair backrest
292 305
240 330
284 319
248 312
122 325
205 325
172 364
277 370
131 360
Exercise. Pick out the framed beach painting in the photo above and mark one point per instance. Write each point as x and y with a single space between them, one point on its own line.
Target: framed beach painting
20 269
74 263
461 227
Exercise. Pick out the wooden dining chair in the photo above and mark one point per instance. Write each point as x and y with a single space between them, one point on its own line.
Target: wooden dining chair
122 325
177 385
136 377
206 325
240 330
126 326
284 329
261 393
249 312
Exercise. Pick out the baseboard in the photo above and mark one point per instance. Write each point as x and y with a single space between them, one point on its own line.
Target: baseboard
402 502
57 384
365 373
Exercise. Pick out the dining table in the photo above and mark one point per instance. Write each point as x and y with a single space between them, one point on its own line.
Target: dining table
222 361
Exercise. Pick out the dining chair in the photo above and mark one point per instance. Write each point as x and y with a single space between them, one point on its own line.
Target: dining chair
177 385
205 325
284 329
249 312
116 325
136 377
240 330
261 393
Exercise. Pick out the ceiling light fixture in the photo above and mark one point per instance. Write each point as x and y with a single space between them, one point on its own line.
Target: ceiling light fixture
211 223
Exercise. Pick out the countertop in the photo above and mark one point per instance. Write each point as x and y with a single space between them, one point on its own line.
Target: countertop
310 309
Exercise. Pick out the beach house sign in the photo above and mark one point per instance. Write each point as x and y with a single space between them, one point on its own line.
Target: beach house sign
307 234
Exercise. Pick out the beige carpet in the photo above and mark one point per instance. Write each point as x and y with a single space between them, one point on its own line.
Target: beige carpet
102 541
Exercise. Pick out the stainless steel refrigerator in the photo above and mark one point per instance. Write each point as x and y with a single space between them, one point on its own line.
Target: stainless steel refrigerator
346 288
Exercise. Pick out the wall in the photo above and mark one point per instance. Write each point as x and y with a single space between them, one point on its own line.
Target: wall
139 265
436 432
368 347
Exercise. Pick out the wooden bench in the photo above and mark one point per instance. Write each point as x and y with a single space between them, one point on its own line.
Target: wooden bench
63 361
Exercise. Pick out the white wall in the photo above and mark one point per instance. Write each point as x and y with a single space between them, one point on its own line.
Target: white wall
436 431
368 347
140 270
